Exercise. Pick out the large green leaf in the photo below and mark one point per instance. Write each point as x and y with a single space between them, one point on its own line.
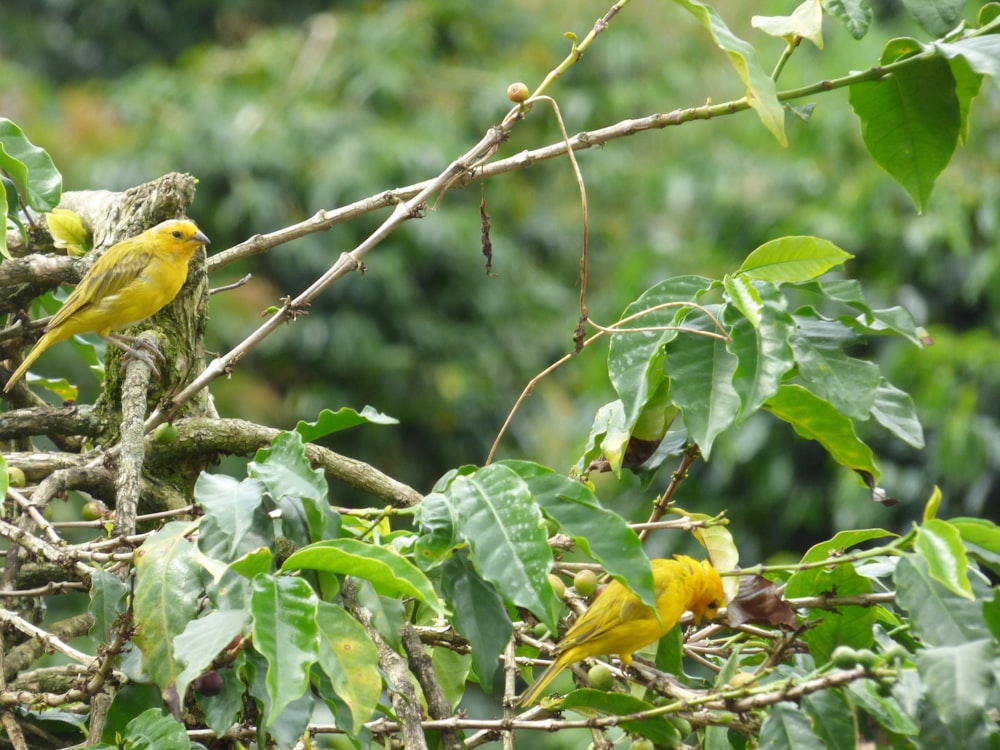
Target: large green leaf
763 353
701 373
845 626
30 167
937 17
350 660
344 418
847 383
203 639
792 259
480 616
500 521
635 359
891 320
959 683
940 545
842 541
981 537
597 531
816 419
285 631
389 572
107 602
236 521
894 410
155 730
786 726
286 472
762 94
937 616
740 293
910 123
982 53
885 709
856 15
590 701
833 719
167 589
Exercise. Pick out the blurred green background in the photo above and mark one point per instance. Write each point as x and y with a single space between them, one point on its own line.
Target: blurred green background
284 109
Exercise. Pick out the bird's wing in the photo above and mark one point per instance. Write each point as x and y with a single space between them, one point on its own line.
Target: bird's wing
113 271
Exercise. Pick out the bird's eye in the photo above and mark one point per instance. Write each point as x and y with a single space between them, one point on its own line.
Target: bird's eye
177 234
713 604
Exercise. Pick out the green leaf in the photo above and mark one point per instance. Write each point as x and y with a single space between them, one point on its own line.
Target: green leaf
959 682
910 123
701 373
285 632
806 22
330 422
203 639
107 602
763 354
815 419
635 359
480 616
221 711
894 410
30 167
155 730
856 15
937 615
937 17
884 709
982 53
350 660
236 521
452 670
500 521
389 572
588 701
598 532
845 626
879 322
167 590
792 259
438 524
286 472
744 297
847 383
832 718
786 726
940 545
841 542
762 95
981 537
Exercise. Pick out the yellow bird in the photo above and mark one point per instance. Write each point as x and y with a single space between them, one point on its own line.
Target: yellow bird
131 281
619 623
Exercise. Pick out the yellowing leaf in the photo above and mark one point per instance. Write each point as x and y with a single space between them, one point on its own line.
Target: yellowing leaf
806 21
68 232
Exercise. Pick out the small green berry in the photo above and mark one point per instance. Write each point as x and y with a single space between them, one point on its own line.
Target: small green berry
15 477
600 678
585 582
165 434
94 510
844 657
518 92
557 585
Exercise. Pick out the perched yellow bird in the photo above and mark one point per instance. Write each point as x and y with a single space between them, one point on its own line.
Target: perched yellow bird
130 282
619 623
